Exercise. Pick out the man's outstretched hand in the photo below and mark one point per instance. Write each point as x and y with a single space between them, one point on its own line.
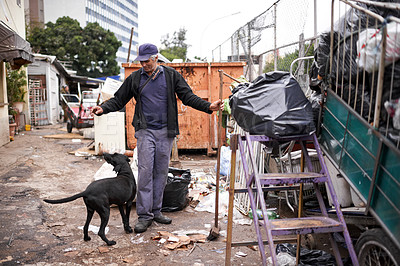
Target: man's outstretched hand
97 110
217 105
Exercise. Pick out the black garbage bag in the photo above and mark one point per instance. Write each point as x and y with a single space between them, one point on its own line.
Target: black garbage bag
315 83
316 101
273 105
307 257
176 191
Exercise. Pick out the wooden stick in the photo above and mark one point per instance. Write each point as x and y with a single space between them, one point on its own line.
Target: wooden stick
130 43
228 253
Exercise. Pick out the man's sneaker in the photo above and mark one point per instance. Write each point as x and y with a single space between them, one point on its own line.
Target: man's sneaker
142 226
162 219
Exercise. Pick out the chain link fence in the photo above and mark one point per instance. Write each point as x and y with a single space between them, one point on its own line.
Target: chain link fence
272 40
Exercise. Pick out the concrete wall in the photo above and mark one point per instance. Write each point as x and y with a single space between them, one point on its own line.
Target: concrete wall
4 129
12 15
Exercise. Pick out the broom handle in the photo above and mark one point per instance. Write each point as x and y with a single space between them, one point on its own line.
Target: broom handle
221 83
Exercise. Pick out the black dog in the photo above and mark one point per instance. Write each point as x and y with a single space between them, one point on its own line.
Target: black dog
100 194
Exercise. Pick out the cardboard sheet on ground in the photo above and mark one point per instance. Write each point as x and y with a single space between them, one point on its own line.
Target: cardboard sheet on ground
64 136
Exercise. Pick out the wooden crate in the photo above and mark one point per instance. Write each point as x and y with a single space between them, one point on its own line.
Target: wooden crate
198 130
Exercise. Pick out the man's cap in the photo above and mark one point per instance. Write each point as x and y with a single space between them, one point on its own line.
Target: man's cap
145 51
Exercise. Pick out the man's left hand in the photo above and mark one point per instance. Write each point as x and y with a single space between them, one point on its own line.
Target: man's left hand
217 105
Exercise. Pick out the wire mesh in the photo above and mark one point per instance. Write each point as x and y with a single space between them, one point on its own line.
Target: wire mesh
271 40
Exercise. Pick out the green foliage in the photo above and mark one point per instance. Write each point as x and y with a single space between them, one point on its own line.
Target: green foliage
284 63
175 47
16 82
91 50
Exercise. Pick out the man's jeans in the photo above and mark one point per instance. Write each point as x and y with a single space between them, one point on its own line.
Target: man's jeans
154 151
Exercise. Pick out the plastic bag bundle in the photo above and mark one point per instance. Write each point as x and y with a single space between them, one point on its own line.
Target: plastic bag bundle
369 49
307 257
345 52
176 191
273 105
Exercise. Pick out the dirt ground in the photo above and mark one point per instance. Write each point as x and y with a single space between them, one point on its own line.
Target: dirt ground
34 167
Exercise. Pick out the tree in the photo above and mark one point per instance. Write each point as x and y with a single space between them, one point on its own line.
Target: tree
175 47
284 63
91 50
98 56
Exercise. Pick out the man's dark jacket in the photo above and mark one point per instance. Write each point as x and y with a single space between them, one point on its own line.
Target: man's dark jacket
176 85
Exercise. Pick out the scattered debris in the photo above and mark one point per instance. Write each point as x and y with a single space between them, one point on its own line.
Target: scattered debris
69 249
94 229
64 136
219 251
63 234
55 224
103 249
240 254
71 254
180 242
208 204
196 195
165 252
138 240
173 239
190 252
172 245
81 154
283 259
254 248
8 258
10 240
130 259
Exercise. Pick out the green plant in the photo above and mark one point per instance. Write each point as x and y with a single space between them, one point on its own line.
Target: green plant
16 81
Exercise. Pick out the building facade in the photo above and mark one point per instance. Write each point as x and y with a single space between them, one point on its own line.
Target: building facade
118 16
16 51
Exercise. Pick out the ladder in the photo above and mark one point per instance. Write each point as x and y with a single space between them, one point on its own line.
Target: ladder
257 182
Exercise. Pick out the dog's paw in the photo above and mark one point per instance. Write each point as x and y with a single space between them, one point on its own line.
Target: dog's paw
111 243
87 238
128 230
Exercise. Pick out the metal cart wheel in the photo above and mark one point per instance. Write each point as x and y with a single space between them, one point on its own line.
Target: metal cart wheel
69 127
375 248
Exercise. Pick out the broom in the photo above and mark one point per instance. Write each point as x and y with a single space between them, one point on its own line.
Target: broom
214 232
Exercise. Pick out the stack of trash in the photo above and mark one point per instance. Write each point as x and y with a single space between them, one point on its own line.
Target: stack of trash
353 75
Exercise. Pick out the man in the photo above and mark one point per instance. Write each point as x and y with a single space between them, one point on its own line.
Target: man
154 88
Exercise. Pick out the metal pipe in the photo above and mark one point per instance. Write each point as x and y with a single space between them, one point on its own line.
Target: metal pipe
376 168
300 211
297 59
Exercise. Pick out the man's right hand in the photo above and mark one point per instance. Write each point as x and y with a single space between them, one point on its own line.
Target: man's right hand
97 110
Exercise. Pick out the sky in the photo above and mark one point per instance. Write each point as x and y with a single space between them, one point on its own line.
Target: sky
208 22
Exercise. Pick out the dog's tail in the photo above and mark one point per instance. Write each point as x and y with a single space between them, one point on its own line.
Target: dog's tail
74 197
